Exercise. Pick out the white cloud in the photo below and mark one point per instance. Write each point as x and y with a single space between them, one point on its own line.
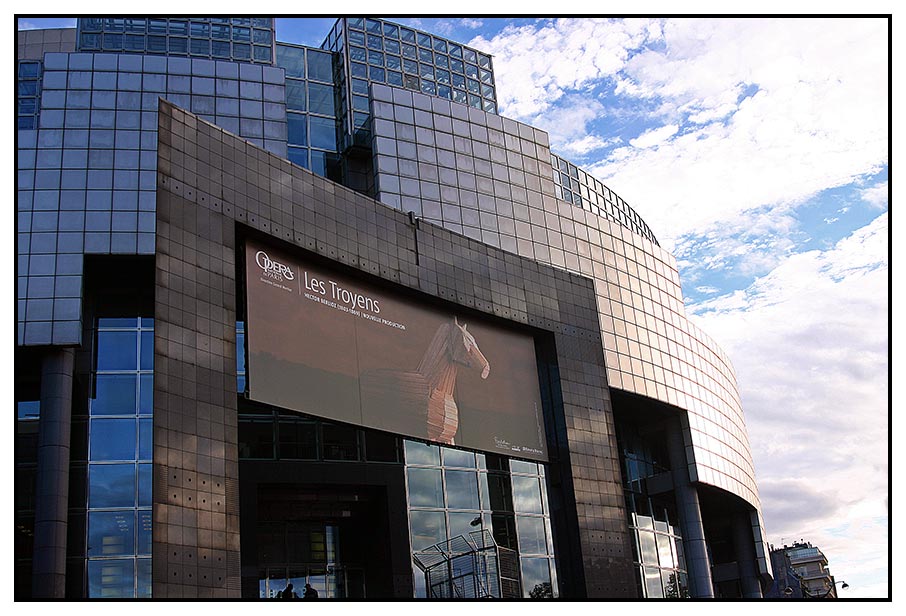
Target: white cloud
810 346
877 195
654 137
771 111
818 119
536 65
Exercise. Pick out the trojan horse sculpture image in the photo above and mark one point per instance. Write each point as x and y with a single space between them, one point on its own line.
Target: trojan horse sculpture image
428 391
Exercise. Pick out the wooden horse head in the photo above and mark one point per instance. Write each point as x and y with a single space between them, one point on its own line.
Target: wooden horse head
465 349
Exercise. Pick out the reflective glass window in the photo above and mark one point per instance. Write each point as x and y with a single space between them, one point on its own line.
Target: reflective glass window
462 523
356 38
420 453
407 35
410 51
115 395
427 528
395 78
320 66
462 489
111 579
321 99
526 494
376 74
374 42
423 39
143 532
111 485
323 133
394 62
111 533
392 46
536 578
112 439
425 487
375 58
146 394
297 128
531 534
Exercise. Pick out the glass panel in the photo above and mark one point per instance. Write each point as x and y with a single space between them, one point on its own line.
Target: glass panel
428 528
462 489
526 494
111 533
665 554
532 539
115 395
143 531
320 99
297 129
143 578
147 350
256 438
653 582
518 466
145 429
144 485
420 453
425 488
320 66
648 548
111 485
112 439
111 579
462 523
323 133
146 394
536 578
117 351
462 459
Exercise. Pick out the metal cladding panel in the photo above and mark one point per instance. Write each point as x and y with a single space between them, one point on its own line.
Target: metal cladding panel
195 337
491 179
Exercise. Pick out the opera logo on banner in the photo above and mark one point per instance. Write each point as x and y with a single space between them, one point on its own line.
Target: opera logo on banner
273 269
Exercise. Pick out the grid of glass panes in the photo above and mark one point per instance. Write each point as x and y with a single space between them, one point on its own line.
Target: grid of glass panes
87 178
311 107
377 51
451 493
28 95
119 460
658 555
583 190
242 39
384 52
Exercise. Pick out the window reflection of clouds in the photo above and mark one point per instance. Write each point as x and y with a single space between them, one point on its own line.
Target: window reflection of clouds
111 485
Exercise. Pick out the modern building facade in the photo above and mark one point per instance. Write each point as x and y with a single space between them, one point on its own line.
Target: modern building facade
174 173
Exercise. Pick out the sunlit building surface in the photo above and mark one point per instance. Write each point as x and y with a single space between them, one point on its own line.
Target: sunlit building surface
324 316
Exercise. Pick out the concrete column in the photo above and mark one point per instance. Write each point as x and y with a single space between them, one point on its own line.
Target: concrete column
690 517
744 546
52 481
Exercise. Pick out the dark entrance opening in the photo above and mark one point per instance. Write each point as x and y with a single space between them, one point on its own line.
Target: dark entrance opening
342 528
327 536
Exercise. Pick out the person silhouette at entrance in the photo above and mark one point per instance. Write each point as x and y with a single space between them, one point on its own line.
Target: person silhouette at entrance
288 592
310 593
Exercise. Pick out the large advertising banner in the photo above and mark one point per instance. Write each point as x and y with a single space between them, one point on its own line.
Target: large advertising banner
333 346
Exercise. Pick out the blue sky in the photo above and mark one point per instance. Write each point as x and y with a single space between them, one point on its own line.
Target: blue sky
757 151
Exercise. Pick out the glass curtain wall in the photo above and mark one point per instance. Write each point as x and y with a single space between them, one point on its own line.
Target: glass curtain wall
311 108
241 39
118 529
453 492
656 540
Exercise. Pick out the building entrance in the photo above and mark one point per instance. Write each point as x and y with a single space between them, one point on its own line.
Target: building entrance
334 538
